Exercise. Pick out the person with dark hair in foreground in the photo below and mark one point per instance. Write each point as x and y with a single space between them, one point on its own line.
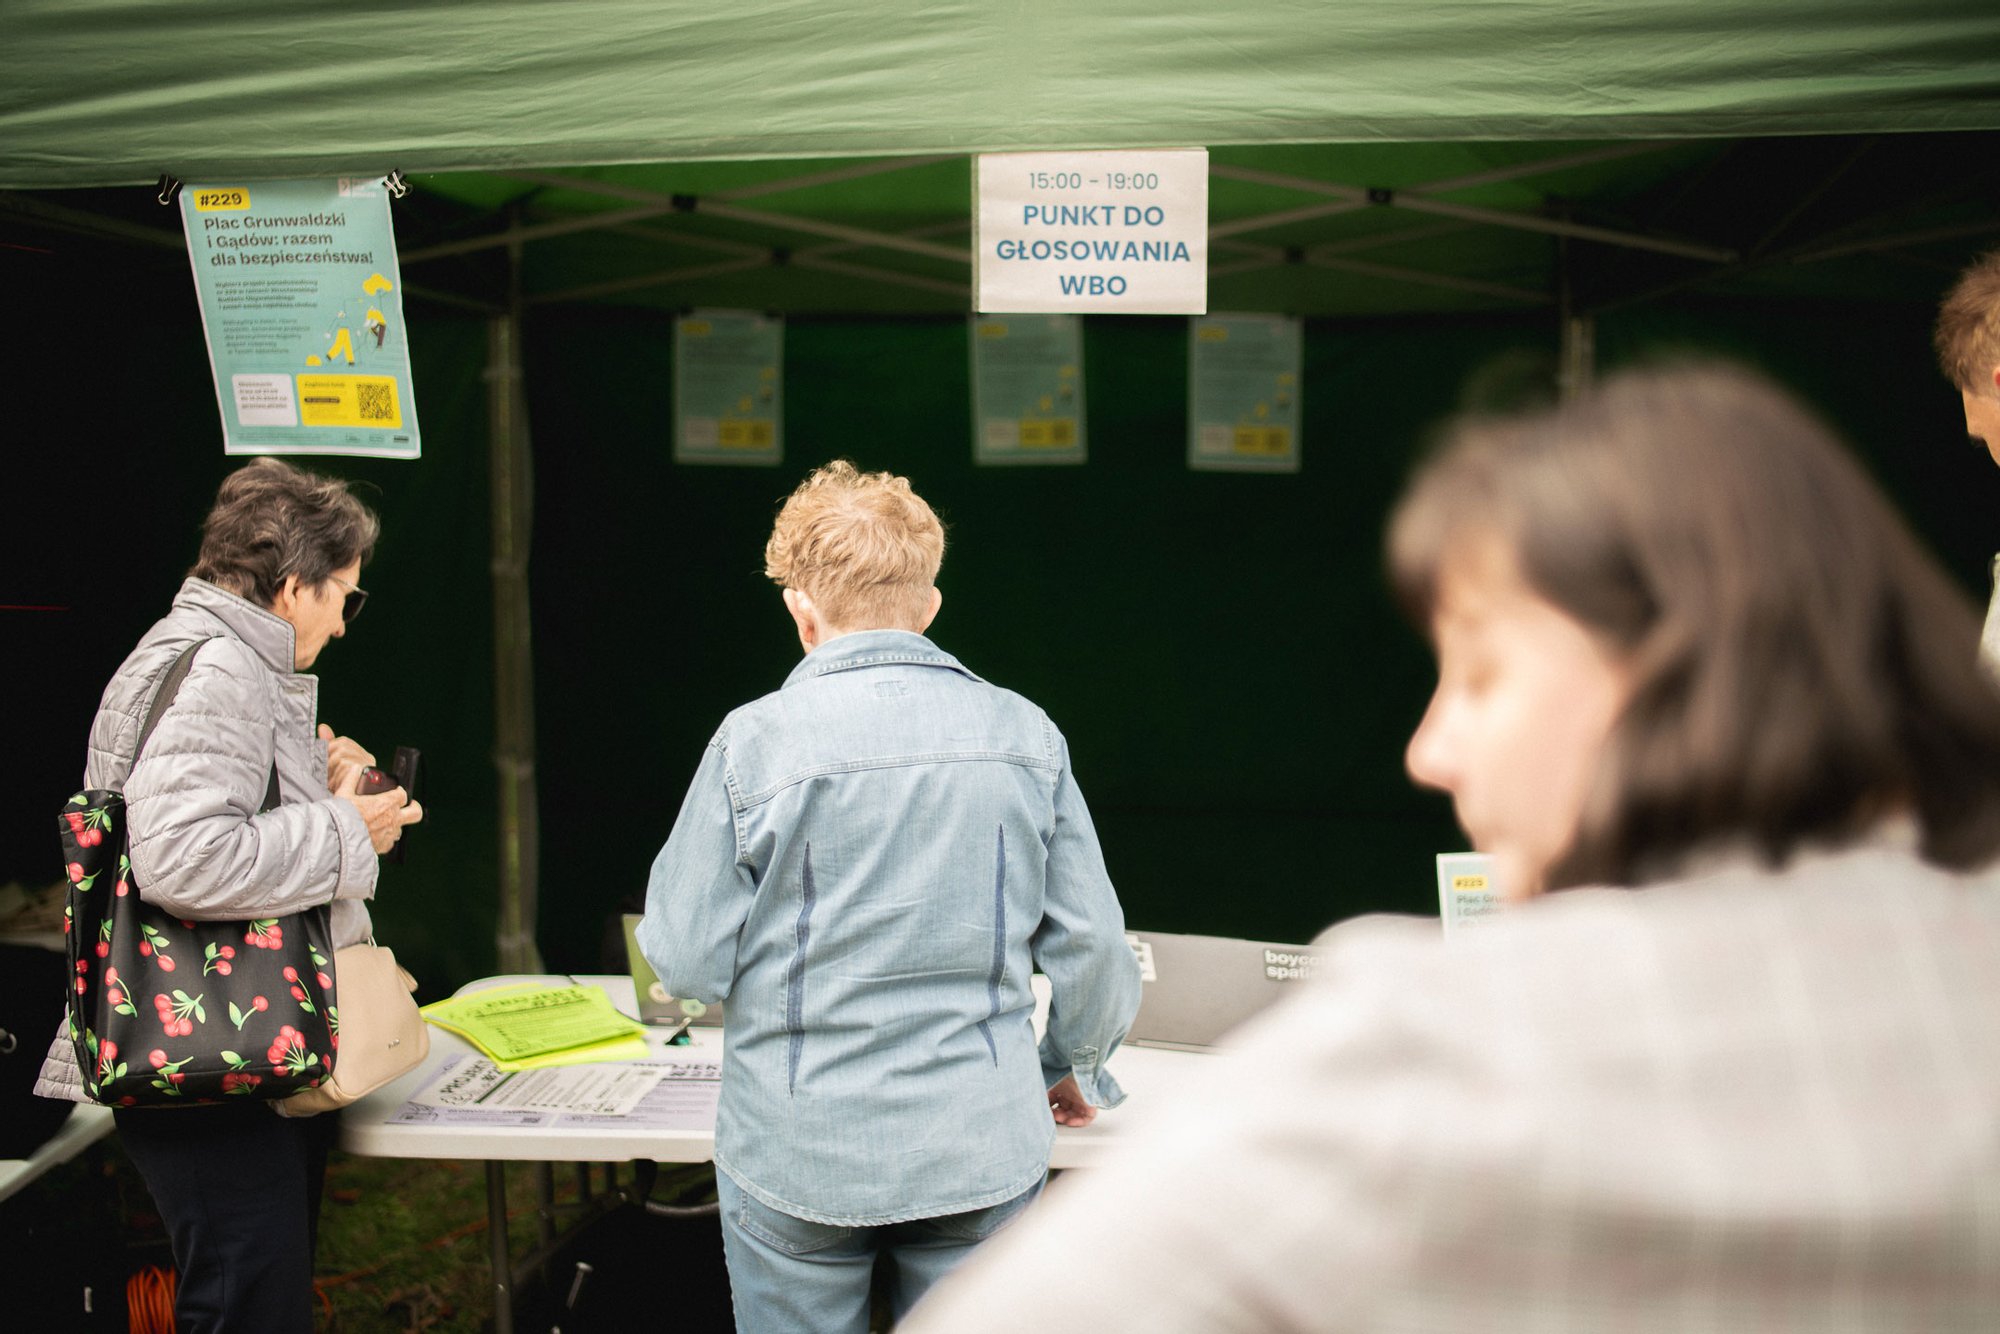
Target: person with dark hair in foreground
1968 346
1731 1058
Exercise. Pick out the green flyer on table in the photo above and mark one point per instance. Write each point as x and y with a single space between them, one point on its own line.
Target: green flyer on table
302 302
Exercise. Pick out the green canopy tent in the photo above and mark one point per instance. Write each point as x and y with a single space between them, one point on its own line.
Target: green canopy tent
1428 183
104 93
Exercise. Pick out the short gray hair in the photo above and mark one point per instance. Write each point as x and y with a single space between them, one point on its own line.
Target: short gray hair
271 521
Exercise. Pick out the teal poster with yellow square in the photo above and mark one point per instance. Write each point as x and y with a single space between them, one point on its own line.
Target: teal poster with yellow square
302 303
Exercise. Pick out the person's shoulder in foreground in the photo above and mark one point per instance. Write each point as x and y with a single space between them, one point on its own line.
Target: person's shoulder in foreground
1641 1109
1687 650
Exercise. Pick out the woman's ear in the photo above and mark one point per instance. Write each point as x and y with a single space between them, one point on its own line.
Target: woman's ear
937 600
286 600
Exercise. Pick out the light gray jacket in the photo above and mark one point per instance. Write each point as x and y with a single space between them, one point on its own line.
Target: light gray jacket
200 848
1750 1099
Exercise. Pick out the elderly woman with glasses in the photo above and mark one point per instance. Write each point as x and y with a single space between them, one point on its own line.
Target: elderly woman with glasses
242 806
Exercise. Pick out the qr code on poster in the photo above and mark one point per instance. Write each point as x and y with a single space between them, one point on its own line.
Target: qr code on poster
377 402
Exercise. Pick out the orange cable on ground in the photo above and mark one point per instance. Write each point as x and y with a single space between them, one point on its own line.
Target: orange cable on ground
149 1301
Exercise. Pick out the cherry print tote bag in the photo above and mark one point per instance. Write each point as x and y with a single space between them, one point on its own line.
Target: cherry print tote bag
166 1011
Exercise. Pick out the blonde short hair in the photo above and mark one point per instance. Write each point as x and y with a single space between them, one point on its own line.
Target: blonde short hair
863 546
1968 327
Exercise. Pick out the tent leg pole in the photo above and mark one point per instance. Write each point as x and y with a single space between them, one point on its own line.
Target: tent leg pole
511 464
1578 365
1576 357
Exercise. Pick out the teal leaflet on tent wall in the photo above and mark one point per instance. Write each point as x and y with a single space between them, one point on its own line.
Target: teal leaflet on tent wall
302 304
729 388
1467 889
1027 389
1124 233
1243 393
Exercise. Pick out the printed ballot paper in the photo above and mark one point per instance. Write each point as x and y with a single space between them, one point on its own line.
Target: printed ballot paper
590 1090
678 1092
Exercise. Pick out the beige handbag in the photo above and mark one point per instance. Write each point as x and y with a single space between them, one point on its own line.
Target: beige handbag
382 1035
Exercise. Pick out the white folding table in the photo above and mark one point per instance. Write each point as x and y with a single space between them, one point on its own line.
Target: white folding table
1147 1074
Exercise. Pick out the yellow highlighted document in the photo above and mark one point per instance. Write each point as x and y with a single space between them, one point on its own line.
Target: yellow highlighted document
531 1025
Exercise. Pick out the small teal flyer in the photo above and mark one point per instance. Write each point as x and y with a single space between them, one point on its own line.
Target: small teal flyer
1243 393
729 388
1467 889
302 303
1027 389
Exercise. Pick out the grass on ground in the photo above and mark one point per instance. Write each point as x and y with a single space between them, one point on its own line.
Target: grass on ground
402 1241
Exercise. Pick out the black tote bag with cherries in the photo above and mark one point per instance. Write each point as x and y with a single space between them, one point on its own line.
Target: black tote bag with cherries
166 1011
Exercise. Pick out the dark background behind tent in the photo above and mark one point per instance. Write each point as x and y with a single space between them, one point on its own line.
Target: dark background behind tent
1220 650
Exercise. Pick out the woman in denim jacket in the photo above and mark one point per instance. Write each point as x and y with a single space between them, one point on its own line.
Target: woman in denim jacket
868 866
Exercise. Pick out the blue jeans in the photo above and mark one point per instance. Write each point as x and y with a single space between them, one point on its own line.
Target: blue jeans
791 1276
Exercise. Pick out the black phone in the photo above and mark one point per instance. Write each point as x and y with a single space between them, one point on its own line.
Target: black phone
402 772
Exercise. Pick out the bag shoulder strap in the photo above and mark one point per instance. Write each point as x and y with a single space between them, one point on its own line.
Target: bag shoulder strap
170 686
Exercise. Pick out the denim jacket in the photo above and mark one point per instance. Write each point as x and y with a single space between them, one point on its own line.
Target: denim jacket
867 867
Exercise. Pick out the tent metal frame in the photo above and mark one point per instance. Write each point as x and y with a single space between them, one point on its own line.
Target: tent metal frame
653 206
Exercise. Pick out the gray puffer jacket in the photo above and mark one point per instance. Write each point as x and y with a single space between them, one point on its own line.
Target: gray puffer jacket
200 848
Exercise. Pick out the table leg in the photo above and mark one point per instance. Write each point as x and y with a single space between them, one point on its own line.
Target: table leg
496 1236
545 1189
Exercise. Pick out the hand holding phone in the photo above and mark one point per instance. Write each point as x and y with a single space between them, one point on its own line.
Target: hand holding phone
402 773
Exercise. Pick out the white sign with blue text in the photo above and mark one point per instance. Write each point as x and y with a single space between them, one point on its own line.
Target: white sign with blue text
1122 233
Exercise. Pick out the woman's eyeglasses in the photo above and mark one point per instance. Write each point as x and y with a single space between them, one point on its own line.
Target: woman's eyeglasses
357 597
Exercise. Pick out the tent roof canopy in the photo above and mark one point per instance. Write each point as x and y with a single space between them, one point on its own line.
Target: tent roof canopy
104 92
1367 157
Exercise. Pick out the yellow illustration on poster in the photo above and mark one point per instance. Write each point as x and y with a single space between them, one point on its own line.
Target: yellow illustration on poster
1027 389
1243 393
729 388
302 304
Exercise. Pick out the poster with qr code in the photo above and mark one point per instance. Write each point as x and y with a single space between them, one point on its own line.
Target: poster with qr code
302 303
